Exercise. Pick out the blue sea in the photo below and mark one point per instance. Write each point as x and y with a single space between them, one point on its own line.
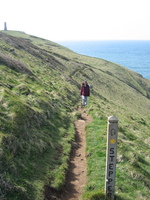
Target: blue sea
132 54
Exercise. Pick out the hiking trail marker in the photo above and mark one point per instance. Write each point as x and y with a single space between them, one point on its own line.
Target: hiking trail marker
111 156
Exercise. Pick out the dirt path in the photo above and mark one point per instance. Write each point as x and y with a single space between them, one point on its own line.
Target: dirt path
76 177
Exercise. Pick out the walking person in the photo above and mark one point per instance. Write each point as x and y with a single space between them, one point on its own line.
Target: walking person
85 92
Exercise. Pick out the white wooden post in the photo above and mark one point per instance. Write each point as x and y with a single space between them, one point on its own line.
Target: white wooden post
111 156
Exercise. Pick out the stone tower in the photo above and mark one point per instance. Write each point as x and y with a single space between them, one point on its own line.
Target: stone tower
5 26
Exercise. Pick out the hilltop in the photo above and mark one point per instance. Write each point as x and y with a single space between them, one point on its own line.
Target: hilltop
39 90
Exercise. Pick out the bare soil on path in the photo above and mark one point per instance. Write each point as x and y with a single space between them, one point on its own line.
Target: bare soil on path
76 176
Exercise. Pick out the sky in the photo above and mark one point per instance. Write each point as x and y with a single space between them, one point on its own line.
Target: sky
61 20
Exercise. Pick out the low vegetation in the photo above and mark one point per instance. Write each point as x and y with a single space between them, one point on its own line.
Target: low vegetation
39 90
133 173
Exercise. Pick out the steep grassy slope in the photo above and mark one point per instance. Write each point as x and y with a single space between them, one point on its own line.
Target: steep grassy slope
39 88
36 127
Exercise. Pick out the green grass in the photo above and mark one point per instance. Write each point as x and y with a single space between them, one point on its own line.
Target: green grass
39 91
36 136
133 172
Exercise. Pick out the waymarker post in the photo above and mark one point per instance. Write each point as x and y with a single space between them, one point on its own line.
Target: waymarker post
111 156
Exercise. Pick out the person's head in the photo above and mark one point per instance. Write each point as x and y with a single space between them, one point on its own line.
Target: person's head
83 83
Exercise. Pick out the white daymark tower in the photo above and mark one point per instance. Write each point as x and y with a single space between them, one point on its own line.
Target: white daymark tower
5 26
111 156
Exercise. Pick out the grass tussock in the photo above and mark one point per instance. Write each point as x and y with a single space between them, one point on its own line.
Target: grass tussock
14 64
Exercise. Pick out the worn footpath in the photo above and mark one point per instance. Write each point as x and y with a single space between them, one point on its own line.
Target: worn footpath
76 177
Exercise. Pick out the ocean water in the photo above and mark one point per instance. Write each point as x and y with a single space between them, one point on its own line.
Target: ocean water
132 54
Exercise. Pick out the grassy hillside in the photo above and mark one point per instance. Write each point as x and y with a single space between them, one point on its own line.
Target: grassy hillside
39 89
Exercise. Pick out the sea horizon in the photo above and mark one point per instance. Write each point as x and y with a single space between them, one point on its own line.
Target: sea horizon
132 54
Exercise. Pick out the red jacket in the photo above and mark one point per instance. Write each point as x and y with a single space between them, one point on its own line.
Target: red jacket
85 90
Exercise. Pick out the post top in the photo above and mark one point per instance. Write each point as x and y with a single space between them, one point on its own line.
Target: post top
113 119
